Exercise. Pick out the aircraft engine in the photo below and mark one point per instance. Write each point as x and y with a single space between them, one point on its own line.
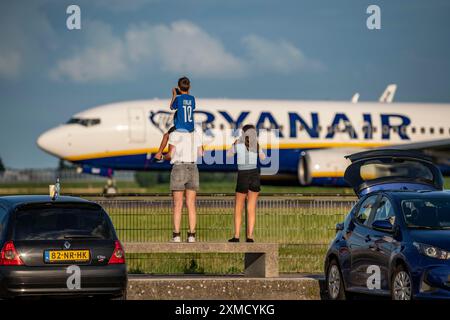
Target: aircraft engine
323 163
103 172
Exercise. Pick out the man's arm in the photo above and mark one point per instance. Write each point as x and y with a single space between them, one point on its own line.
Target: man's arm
231 152
168 156
201 151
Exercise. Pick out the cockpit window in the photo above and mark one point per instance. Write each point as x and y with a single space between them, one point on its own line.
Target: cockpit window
84 122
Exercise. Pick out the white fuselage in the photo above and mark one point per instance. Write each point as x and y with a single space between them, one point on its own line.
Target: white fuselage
113 133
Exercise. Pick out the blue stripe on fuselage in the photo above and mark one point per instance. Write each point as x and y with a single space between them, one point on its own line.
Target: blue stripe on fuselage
288 161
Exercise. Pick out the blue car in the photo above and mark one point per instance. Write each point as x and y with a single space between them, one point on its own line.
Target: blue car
396 239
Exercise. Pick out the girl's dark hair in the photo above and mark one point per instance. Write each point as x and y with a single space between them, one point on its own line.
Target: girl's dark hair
184 84
247 141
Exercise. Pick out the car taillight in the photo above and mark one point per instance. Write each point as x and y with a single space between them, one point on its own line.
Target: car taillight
118 256
9 255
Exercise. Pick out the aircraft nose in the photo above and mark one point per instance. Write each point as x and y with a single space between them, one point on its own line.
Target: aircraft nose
50 141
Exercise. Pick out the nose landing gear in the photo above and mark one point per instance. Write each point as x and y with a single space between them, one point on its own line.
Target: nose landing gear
110 187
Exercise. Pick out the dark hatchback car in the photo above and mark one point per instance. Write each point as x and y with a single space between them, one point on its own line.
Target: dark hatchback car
63 247
396 239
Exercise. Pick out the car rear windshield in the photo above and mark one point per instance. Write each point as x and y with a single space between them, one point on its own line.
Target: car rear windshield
62 221
411 170
432 213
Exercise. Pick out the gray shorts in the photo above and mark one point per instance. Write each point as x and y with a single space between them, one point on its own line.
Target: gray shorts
184 176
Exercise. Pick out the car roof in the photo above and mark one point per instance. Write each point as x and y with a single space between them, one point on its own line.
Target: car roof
15 201
425 195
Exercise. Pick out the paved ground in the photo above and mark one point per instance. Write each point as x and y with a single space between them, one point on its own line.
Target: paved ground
286 287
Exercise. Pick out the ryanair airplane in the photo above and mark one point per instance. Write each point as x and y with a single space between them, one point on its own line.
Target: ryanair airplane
313 136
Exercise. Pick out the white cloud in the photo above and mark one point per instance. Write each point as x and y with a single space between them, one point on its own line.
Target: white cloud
182 47
179 48
104 58
276 56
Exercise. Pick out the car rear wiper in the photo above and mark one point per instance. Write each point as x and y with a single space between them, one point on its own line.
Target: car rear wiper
79 236
421 227
428 228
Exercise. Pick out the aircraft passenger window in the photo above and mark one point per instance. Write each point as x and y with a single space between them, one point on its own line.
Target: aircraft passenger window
385 211
413 130
432 130
441 130
365 209
374 129
422 130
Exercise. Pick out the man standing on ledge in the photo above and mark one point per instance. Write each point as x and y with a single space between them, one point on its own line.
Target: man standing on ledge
184 148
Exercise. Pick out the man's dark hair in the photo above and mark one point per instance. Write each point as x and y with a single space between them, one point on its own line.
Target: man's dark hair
184 84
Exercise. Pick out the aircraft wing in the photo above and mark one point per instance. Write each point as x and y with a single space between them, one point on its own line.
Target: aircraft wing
439 150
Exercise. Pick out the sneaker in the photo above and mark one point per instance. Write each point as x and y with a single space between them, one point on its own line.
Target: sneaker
176 237
191 237
250 240
234 239
160 160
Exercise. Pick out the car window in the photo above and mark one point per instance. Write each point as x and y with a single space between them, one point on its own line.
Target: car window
3 216
431 213
61 222
385 211
363 214
376 169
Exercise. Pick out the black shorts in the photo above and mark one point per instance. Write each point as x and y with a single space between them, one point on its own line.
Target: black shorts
248 180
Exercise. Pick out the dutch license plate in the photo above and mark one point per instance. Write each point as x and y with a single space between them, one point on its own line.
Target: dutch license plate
55 256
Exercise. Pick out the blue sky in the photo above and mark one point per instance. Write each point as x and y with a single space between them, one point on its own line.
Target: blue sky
126 50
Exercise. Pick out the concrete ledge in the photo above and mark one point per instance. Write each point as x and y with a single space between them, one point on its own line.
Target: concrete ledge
260 259
183 247
228 288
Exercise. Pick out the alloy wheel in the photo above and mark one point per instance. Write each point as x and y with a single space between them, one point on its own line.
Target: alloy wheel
402 286
334 282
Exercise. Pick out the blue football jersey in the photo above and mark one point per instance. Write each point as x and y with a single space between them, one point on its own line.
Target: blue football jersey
184 105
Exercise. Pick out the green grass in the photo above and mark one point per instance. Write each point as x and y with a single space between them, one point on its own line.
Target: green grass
161 187
210 183
303 231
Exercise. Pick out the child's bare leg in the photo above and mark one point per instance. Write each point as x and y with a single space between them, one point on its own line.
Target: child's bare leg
162 146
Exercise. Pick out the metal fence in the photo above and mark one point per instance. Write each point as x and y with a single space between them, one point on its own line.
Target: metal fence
12 176
303 228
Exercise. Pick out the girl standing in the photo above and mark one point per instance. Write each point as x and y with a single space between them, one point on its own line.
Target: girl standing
248 181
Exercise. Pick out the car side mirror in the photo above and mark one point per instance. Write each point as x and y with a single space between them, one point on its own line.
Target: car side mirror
383 225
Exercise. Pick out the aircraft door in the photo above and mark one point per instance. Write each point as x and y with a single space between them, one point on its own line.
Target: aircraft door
136 124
